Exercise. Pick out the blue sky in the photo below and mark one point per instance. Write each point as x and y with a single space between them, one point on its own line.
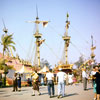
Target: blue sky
84 16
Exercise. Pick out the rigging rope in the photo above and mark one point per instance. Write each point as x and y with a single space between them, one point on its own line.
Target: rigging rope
76 48
31 58
52 51
23 49
29 51
55 30
79 34
71 42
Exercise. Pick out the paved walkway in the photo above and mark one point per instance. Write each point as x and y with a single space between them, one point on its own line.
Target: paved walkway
74 92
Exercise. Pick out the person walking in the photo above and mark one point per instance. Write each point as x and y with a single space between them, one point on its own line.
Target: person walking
97 75
35 83
70 78
93 72
19 82
15 87
61 78
50 83
95 69
85 78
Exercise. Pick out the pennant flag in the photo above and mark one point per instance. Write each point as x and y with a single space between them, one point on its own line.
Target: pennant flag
67 15
93 48
91 37
45 23
40 42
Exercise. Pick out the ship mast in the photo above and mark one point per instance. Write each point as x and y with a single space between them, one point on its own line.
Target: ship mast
38 36
5 30
92 49
66 38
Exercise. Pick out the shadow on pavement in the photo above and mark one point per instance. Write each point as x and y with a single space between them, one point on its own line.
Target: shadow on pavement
89 88
18 94
6 95
43 93
2 90
24 90
66 95
71 94
2 93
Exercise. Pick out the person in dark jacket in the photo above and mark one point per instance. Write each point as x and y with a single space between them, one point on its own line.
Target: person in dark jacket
15 88
19 82
97 75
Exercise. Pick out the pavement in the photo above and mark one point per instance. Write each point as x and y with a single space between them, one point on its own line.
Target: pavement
73 92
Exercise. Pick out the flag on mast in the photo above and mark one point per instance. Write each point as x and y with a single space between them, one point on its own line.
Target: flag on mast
45 23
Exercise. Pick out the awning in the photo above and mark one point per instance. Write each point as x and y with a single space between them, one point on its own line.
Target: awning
24 70
44 70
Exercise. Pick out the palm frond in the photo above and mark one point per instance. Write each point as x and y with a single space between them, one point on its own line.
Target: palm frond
12 47
7 41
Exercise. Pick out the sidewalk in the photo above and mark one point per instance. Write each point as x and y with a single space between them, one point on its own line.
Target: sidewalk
74 92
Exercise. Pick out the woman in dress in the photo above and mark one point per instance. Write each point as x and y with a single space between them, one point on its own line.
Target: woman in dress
97 75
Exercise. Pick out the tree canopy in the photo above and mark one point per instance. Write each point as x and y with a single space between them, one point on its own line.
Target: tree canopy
7 42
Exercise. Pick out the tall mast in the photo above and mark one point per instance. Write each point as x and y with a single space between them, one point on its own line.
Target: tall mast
66 38
5 30
92 49
38 36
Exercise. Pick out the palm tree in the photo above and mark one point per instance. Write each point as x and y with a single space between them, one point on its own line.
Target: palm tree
7 42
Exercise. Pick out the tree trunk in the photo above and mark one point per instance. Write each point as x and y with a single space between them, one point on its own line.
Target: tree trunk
3 53
5 81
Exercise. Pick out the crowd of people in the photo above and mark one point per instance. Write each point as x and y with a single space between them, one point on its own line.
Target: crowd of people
95 76
96 81
17 82
50 79
61 79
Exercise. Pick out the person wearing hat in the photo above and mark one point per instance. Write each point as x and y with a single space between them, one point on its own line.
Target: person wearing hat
61 77
50 82
35 83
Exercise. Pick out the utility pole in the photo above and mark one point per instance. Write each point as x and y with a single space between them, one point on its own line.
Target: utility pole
66 38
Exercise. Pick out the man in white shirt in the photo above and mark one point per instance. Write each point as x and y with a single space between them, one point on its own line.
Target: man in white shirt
85 77
61 77
50 82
